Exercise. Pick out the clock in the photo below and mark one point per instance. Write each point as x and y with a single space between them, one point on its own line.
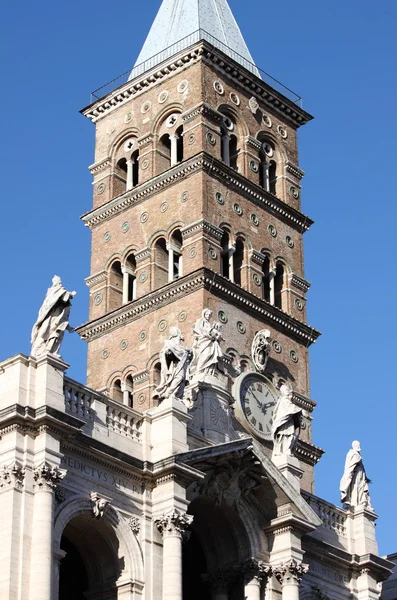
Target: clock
255 399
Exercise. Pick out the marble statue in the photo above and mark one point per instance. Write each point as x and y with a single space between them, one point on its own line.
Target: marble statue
286 423
354 483
175 361
207 347
52 320
260 350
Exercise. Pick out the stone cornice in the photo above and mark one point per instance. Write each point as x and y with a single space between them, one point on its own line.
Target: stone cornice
145 140
202 226
212 167
100 166
294 170
253 142
304 402
211 281
300 283
96 278
142 255
308 453
203 109
240 76
257 257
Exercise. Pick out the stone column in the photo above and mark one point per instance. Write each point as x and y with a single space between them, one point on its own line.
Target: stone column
174 149
226 149
272 275
45 479
170 263
130 171
265 175
289 575
172 526
219 583
256 573
230 251
125 285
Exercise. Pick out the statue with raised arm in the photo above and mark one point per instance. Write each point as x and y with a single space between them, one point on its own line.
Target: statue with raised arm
207 346
286 423
354 483
260 349
52 320
175 361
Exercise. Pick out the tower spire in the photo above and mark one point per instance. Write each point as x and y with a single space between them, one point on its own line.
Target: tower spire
180 23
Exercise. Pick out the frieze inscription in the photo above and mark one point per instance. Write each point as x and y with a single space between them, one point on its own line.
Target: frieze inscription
98 473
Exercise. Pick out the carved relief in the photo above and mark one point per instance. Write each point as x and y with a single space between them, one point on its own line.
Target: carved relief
290 571
257 569
47 477
99 505
135 525
260 350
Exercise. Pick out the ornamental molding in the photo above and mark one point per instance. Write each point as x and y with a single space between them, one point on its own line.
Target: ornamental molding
99 277
300 283
204 51
211 281
308 453
135 525
12 476
142 255
145 140
202 226
290 571
257 257
253 142
303 401
99 166
46 477
294 170
212 167
205 110
173 523
99 504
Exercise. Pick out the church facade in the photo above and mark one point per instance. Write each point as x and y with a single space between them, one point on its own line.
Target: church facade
184 468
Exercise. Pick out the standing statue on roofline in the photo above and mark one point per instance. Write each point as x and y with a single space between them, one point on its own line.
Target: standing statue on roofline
52 320
354 483
175 361
207 348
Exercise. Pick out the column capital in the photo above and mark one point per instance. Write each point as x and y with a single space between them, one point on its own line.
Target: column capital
220 580
46 477
256 569
12 476
173 523
289 571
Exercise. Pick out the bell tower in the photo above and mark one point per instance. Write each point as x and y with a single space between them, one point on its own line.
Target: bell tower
197 204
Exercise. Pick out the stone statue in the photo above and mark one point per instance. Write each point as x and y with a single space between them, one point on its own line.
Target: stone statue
286 423
175 361
354 483
52 320
207 347
260 350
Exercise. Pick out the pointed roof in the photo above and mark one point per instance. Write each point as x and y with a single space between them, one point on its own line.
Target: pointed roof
180 23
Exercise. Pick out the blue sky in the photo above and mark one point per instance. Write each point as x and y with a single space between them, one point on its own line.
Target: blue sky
340 57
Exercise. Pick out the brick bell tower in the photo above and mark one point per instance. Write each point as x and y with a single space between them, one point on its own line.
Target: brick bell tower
197 203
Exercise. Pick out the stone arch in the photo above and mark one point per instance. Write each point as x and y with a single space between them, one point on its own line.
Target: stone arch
115 144
228 110
109 550
163 114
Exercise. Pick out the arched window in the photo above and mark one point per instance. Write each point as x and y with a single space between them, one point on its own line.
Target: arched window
115 285
133 170
229 144
128 391
160 263
179 144
278 285
266 279
129 279
227 255
127 167
175 256
116 391
268 167
238 260
170 145
164 152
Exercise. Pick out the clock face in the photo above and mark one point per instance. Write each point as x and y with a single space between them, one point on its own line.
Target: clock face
256 398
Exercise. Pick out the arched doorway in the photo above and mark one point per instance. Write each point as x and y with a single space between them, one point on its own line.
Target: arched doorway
217 546
91 566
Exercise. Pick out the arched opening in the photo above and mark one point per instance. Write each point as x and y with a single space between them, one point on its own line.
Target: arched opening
272 177
217 546
133 179
229 143
91 566
116 391
175 250
268 166
234 152
128 391
278 285
115 285
227 254
238 260
129 288
160 275
266 279
179 144
164 153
